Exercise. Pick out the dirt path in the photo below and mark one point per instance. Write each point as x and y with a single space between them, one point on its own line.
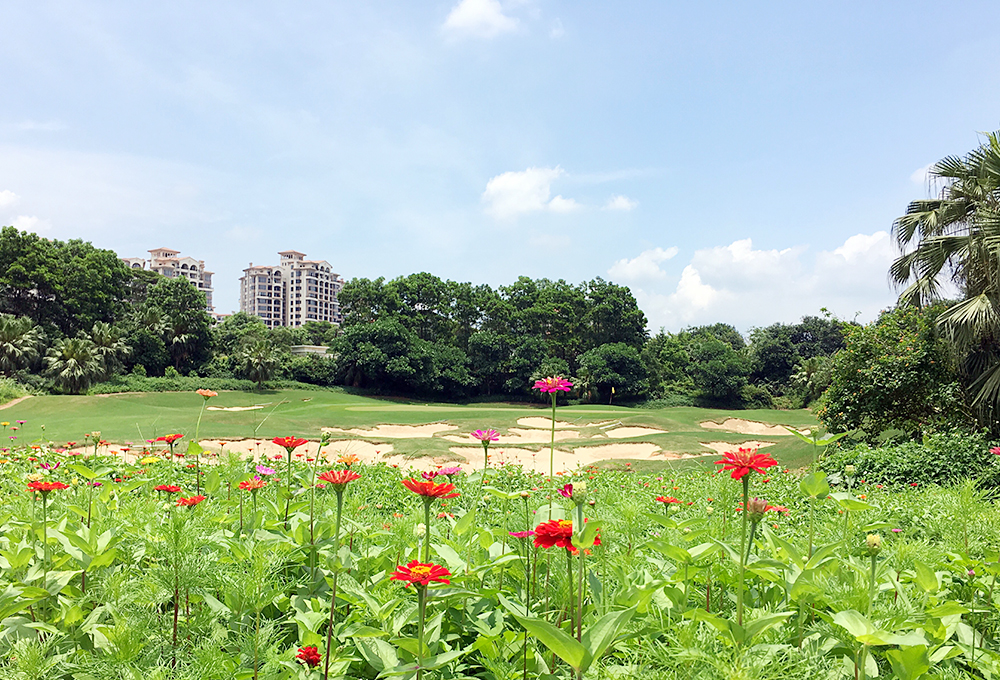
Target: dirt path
14 401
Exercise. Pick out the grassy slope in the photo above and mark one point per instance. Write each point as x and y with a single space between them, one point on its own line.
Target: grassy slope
135 417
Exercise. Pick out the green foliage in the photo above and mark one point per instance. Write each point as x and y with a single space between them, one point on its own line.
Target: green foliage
139 383
939 457
895 373
11 389
20 340
73 364
615 366
719 372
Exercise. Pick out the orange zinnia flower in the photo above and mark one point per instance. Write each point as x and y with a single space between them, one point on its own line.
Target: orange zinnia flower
430 489
339 478
208 394
45 487
252 484
289 443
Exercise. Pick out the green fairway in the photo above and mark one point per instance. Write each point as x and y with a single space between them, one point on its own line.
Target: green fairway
135 417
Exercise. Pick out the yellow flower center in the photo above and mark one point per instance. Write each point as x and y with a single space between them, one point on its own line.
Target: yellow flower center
420 571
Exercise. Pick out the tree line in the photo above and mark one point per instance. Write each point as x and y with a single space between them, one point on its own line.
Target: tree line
72 315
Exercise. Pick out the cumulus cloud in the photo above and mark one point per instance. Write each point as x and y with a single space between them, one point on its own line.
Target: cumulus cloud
644 267
516 193
921 176
8 198
479 18
749 287
619 202
31 223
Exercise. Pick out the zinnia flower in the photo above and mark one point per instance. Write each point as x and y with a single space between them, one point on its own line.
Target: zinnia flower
169 439
667 499
190 502
553 383
252 484
743 461
208 394
339 479
995 450
167 488
420 573
559 533
45 487
486 436
521 534
289 443
264 470
431 489
348 459
309 656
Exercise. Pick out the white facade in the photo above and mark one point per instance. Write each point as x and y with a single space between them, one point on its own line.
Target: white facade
166 262
295 291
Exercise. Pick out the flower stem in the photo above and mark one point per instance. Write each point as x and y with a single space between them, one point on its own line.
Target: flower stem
336 571
422 596
743 547
427 529
552 450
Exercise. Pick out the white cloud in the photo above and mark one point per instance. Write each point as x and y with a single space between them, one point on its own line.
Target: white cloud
747 287
479 18
557 30
644 267
31 223
921 176
515 193
619 202
8 198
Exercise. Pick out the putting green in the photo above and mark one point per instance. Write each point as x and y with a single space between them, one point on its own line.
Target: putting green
136 417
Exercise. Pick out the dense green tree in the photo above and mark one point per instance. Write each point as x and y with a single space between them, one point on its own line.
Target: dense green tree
488 354
20 340
815 336
187 324
895 374
772 356
229 336
73 364
614 368
667 361
366 300
109 347
613 316
526 358
258 360
64 285
718 371
956 237
721 331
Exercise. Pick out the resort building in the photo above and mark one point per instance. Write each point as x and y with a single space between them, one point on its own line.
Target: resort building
166 262
291 293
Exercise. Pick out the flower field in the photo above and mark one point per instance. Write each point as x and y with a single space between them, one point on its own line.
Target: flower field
310 567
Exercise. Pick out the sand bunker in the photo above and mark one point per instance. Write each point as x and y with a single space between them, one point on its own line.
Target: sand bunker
723 447
546 423
628 432
398 431
235 408
564 461
517 435
742 426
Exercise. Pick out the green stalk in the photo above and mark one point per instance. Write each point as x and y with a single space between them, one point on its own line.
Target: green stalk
569 581
579 602
552 449
427 529
422 597
871 588
336 570
45 537
197 456
288 487
743 547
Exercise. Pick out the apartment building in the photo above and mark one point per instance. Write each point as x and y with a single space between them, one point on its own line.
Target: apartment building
294 291
166 262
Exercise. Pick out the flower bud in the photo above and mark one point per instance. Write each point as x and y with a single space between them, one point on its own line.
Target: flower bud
874 542
709 510
757 507
420 530
525 494
849 470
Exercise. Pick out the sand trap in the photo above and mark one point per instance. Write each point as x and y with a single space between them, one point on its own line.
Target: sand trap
564 461
749 427
234 408
546 423
398 431
723 447
627 432
516 435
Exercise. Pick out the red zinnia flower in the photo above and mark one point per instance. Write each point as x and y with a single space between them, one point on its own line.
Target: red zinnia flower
431 489
169 439
339 478
420 573
995 450
252 484
553 383
168 488
289 443
190 502
559 533
667 499
309 656
743 461
46 487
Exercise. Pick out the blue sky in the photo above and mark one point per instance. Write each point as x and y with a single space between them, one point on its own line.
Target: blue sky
729 161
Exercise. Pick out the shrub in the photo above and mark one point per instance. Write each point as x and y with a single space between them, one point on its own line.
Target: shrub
941 457
10 389
133 383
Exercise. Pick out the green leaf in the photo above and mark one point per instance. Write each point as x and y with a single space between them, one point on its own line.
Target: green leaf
464 524
849 502
854 622
213 481
765 623
673 552
815 485
558 642
83 471
194 448
925 577
602 633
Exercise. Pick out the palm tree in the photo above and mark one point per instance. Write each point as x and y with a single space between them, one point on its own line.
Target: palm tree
259 360
957 236
19 341
73 364
109 346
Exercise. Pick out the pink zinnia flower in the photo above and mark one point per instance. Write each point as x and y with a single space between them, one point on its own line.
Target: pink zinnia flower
553 383
486 435
995 450
264 470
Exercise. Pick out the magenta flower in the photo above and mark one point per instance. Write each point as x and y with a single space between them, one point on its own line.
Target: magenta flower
486 436
264 470
450 471
553 383
521 534
995 450
566 491
50 466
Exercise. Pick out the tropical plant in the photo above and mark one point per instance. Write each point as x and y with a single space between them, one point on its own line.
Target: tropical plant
110 348
956 237
19 341
259 359
73 364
